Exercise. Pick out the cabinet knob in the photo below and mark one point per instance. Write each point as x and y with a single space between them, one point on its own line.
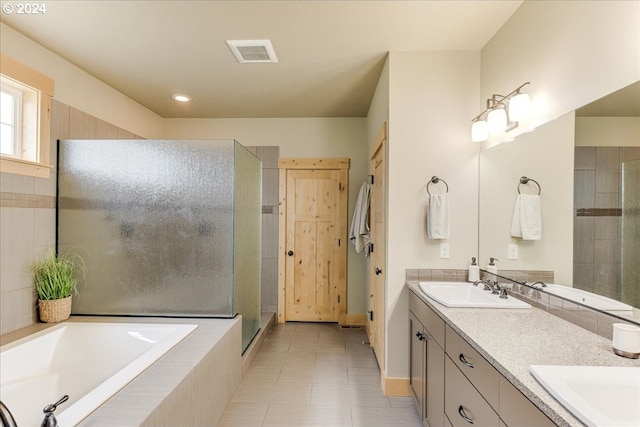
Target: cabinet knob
464 415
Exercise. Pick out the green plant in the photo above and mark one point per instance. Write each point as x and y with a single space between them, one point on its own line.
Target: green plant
55 276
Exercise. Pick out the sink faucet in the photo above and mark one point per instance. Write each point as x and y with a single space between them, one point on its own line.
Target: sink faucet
49 418
488 285
533 285
6 419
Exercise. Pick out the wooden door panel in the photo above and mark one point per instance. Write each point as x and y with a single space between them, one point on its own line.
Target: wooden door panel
312 235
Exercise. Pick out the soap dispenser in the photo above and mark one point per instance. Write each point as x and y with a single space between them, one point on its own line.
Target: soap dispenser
492 268
474 271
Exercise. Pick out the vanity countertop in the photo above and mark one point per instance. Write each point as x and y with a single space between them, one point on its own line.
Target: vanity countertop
513 339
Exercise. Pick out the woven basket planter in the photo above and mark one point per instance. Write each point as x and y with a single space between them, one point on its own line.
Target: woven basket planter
55 310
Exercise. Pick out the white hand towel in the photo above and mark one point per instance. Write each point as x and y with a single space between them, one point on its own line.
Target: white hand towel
438 216
360 231
527 217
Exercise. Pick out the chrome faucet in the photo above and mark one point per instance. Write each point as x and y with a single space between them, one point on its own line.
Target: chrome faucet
49 418
489 285
6 419
533 285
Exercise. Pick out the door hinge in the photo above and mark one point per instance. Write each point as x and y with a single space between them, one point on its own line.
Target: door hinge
370 248
339 186
370 315
371 179
339 242
338 299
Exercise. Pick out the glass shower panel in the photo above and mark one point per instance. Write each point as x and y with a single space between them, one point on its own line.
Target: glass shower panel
153 221
631 232
247 231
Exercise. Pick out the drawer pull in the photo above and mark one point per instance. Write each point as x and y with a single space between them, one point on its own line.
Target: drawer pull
420 336
465 362
464 415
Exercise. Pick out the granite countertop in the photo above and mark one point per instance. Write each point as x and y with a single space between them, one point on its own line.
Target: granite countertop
513 339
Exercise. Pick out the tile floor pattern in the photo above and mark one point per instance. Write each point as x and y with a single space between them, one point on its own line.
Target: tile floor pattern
315 374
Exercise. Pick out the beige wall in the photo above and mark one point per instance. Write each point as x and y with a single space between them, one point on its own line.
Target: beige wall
304 137
80 90
608 131
545 155
572 52
432 97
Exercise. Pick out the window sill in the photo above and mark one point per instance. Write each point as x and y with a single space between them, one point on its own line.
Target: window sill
24 167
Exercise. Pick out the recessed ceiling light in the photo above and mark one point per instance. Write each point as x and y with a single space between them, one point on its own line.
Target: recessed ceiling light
181 98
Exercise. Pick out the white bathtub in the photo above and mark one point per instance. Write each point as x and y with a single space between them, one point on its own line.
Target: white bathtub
88 361
586 298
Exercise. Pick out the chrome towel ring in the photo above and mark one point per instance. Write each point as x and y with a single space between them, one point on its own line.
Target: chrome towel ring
434 180
525 180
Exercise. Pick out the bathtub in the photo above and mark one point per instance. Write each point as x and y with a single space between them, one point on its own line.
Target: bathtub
88 361
586 298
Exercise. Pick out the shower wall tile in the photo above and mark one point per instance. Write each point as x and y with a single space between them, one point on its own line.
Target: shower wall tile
125 134
630 153
60 118
21 184
18 309
606 227
607 169
269 156
106 130
584 189
269 283
585 158
81 125
270 187
16 227
583 237
607 200
270 236
46 186
44 230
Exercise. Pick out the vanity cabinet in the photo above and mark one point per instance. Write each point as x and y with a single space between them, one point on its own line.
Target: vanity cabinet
426 364
455 386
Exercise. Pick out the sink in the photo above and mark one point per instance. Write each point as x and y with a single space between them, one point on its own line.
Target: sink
586 298
605 396
463 294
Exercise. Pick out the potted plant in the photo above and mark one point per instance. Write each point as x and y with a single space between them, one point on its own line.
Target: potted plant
55 279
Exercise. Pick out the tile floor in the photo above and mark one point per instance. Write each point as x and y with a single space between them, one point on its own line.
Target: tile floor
315 374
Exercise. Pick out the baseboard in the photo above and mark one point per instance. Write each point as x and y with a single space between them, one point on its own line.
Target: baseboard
396 386
356 319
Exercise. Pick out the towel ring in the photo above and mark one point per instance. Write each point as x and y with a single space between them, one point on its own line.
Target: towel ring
525 180
434 180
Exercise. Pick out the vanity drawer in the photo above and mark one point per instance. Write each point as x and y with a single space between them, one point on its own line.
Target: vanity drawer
517 410
481 374
431 321
462 400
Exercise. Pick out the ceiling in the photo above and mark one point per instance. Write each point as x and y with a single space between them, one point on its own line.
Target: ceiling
331 53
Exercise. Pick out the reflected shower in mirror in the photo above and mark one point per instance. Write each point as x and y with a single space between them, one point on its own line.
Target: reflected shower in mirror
587 165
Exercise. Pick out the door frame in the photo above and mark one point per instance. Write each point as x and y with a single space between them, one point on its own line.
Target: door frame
284 164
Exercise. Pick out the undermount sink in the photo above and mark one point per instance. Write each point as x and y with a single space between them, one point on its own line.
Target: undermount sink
463 294
605 396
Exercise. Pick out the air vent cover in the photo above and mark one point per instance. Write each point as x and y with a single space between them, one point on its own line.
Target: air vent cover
247 51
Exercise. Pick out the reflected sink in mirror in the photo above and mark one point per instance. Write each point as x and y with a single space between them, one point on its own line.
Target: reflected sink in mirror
605 396
463 294
586 298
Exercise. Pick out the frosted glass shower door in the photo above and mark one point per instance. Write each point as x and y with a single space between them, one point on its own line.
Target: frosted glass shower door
631 232
153 221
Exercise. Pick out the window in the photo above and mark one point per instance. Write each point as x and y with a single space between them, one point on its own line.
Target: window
24 119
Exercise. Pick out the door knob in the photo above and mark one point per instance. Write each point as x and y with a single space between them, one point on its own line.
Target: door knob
377 271
290 253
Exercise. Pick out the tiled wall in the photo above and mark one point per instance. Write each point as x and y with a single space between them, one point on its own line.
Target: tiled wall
597 218
269 157
27 217
461 275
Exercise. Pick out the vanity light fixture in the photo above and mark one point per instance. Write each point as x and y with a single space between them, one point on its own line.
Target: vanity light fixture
180 98
502 114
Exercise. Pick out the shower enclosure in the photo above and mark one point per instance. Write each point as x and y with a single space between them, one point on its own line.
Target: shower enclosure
166 228
631 232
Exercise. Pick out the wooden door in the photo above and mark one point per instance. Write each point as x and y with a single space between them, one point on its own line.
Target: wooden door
377 217
314 250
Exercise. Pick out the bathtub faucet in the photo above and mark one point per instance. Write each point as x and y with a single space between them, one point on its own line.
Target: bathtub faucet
49 418
6 419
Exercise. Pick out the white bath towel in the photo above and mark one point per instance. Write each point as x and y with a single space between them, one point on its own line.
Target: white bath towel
527 217
360 231
438 216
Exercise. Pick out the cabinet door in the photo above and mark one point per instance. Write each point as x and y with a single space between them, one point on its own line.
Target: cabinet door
417 341
517 410
434 383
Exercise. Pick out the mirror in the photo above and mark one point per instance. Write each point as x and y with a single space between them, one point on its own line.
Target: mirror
587 165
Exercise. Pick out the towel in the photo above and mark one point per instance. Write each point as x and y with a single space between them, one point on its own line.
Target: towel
527 217
438 216
360 232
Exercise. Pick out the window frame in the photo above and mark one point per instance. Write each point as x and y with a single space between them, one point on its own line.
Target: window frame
16 142
44 88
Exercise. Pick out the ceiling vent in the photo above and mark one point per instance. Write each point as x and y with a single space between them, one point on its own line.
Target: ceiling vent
247 51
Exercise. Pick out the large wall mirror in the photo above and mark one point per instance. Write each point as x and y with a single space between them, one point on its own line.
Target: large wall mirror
586 167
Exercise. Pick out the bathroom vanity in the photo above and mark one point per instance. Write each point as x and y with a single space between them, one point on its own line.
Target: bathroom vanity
472 365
